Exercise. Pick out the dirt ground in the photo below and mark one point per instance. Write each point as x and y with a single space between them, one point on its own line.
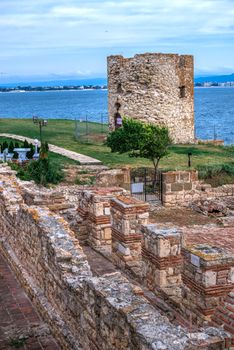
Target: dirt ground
180 217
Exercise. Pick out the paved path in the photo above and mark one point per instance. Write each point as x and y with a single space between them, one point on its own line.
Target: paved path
19 321
84 160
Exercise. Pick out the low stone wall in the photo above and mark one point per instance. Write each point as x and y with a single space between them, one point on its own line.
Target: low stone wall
208 277
84 312
128 214
162 260
114 177
195 279
94 209
183 187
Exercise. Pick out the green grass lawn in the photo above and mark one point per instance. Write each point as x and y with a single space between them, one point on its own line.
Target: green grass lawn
62 133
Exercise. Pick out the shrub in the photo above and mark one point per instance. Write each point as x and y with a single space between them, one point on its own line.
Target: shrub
11 147
218 174
42 171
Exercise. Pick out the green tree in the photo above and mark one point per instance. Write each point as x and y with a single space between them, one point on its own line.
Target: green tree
11 147
26 144
140 140
4 145
44 150
31 152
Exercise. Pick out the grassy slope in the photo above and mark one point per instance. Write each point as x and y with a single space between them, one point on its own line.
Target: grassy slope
61 133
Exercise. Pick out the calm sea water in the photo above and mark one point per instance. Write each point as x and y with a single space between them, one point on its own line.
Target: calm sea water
214 108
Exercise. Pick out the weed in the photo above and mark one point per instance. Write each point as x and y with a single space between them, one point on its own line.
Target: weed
17 342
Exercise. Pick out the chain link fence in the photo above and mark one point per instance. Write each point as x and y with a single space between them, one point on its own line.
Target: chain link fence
91 128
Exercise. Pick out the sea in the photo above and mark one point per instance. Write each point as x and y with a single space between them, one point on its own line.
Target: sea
214 108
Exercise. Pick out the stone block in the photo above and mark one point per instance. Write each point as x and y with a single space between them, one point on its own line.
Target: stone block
209 278
187 186
184 176
175 187
169 177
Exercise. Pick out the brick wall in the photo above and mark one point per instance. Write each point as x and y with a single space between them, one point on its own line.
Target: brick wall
162 260
208 277
128 214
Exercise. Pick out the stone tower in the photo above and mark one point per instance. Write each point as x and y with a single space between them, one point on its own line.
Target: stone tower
156 88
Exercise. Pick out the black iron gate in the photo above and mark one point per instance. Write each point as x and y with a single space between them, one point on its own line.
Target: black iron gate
146 185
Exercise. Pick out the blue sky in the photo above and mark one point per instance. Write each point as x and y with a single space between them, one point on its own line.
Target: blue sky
63 39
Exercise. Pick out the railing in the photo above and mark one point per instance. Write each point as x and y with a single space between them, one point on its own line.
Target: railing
91 128
145 185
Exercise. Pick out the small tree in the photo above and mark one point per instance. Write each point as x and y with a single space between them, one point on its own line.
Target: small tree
140 140
44 150
4 145
11 147
26 144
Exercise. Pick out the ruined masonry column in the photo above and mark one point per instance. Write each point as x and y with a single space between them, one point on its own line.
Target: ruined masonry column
162 260
94 208
208 277
127 215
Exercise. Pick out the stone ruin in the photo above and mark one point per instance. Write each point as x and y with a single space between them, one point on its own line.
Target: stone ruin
169 294
156 88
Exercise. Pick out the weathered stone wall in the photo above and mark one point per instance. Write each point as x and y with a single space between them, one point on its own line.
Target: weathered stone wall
84 312
208 277
155 88
224 315
128 214
194 279
94 209
115 177
183 187
162 260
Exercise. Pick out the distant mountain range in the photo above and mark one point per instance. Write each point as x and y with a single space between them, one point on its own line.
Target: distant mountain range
216 79
103 81
94 81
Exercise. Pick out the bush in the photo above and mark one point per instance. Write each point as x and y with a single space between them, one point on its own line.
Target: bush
218 174
42 171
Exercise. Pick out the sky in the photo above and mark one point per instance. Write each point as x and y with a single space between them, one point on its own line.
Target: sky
69 39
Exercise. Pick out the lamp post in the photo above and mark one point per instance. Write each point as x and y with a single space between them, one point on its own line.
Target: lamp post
189 159
41 123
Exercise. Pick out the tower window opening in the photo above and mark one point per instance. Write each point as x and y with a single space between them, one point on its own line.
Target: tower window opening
119 88
182 91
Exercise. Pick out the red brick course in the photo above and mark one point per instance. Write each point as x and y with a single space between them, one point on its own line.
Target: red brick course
224 315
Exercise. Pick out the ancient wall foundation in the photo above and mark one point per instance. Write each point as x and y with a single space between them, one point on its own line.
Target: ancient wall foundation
97 313
155 88
162 260
183 187
208 277
128 215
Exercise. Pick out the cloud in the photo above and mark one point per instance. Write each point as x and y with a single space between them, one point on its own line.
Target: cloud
63 27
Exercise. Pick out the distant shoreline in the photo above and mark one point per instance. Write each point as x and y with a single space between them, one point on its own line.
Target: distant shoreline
29 88
54 90
213 87
77 89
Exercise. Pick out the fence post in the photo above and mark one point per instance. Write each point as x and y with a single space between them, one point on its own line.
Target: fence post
102 123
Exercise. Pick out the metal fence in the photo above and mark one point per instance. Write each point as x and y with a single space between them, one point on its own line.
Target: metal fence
145 185
91 128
